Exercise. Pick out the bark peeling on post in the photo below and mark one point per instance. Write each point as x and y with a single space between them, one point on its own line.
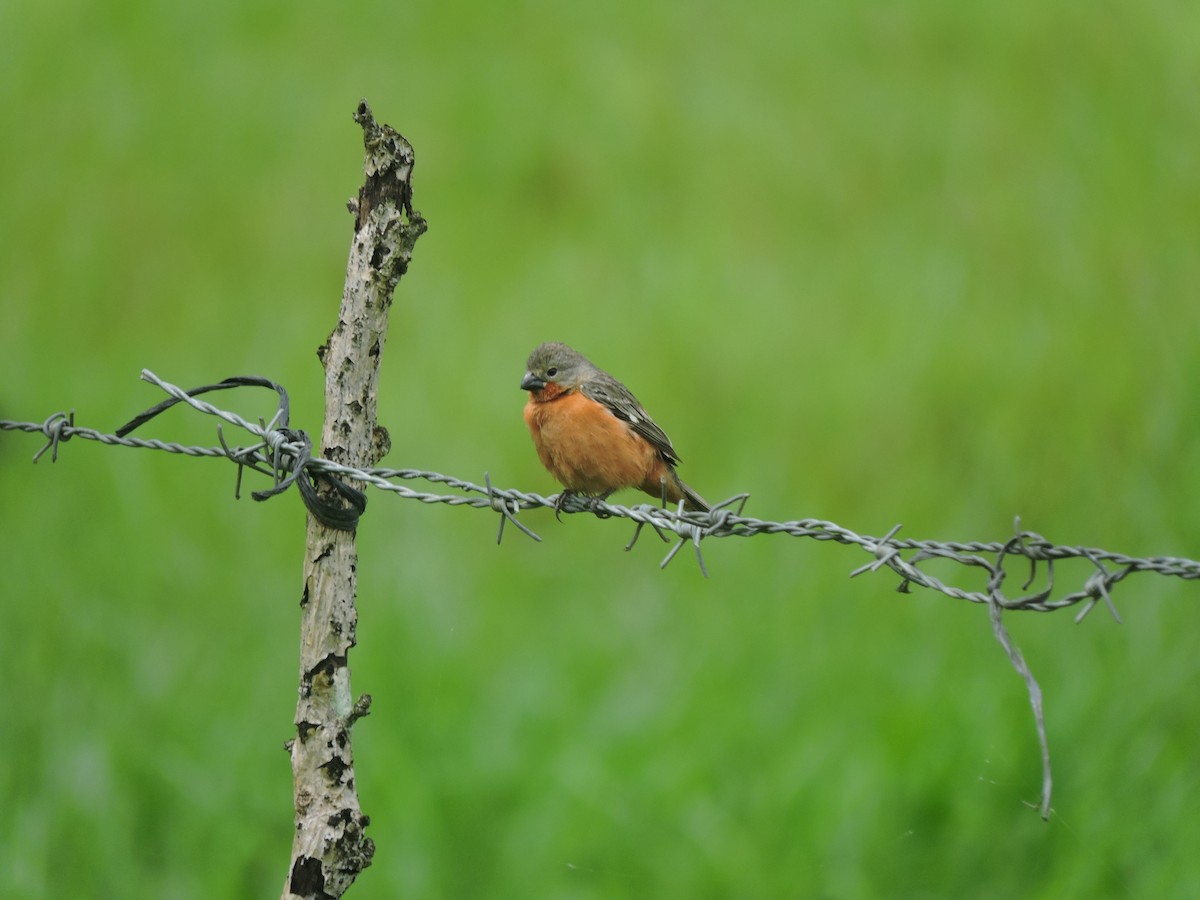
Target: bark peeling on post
330 846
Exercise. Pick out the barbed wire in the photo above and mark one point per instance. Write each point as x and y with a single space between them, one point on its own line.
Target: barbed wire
285 455
281 453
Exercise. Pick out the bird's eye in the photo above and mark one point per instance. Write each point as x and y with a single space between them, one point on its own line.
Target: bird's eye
552 371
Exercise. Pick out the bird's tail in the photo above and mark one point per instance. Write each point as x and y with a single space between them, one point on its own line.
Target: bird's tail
691 500
667 486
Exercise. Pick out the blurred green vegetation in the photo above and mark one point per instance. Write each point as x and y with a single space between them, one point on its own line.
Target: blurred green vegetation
932 263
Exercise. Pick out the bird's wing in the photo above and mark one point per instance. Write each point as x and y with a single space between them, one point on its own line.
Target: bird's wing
605 389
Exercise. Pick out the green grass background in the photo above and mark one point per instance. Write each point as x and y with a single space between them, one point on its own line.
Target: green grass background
934 263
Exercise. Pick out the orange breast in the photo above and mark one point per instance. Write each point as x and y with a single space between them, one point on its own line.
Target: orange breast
586 447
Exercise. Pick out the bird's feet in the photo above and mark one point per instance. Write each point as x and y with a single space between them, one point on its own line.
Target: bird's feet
589 503
559 501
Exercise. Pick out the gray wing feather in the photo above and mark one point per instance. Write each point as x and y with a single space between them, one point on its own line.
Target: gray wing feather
605 389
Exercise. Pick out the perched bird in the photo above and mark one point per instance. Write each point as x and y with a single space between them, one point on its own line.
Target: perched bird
592 434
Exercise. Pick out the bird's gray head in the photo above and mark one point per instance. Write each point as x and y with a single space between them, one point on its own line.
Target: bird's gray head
558 364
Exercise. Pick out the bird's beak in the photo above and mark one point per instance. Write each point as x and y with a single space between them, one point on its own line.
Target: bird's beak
531 382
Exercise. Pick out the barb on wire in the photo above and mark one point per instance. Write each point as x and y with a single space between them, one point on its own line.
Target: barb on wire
57 429
285 454
506 515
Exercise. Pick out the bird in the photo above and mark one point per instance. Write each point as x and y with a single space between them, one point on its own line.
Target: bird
593 435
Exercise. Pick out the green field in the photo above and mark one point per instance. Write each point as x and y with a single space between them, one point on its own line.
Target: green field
934 263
